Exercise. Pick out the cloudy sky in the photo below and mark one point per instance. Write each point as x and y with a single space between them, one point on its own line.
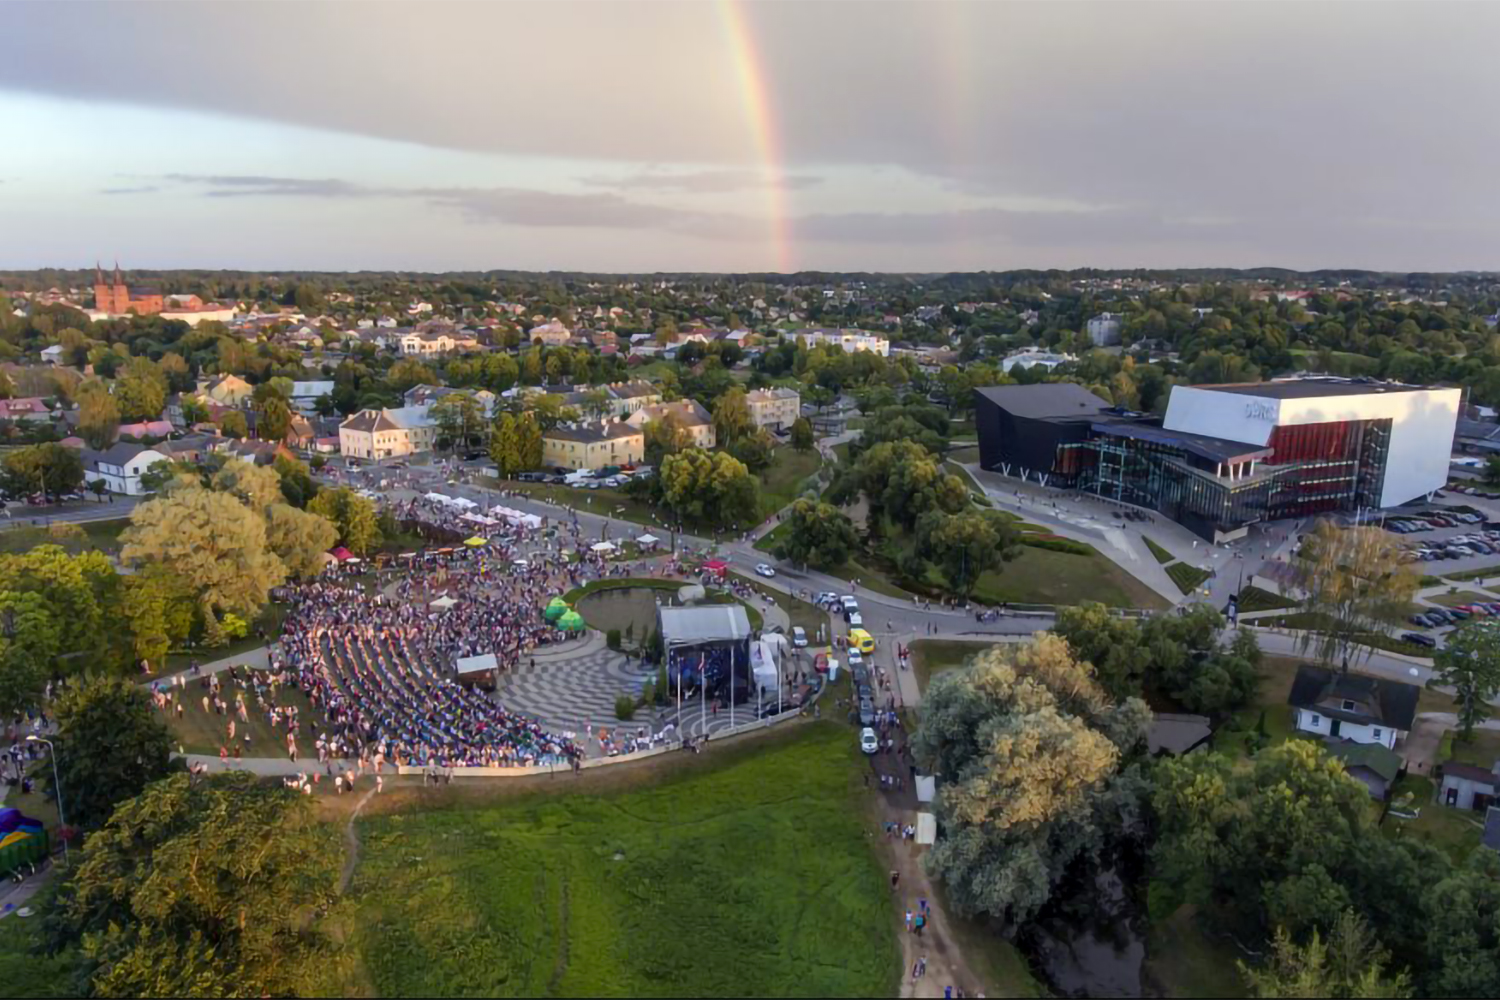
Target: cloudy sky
737 136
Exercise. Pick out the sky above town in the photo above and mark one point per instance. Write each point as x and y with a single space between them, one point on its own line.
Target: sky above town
735 136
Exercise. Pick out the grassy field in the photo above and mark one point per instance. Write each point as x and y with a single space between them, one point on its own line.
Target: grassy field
1268 708
930 657
1161 554
1256 599
1481 574
750 873
1451 830
204 732
1187 577
1041 576
781 483
1311 621
1456 598
101 535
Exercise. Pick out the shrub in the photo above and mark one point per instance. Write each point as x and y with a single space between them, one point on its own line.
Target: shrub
612 639
624 708
648 693
1056 543
661 685
234 626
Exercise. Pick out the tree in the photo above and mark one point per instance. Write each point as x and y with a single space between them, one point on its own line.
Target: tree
459 417
709 486
49 469
273 418
1492 470
30 639
354 515
300 538
141 391
233 425
98 487
409 372
213 541
529 437
98 415
818 535
1355 580
159 609
732 420
965 546
1469 662
505 446
110 745
1031 750
258 486
297 483
209 887
1350 964
802 434
664 436
1460 916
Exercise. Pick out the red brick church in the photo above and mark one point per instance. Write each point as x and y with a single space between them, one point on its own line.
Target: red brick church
116 298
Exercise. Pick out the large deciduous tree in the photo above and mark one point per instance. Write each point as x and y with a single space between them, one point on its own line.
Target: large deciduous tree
98 414
205 888
354 515
141 390
965 546
1469 662
732 420
1030 749
817 534
1356 582
49 469
301 538
1349 963
110 745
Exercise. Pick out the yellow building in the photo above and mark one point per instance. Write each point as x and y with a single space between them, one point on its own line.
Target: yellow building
774 408
593 446
690 414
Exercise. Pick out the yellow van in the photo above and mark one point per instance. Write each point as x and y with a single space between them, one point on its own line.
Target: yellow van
861 640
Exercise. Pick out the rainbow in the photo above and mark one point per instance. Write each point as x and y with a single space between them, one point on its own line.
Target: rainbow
755 98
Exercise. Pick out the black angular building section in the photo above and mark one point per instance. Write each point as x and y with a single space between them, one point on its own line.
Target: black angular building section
1022 428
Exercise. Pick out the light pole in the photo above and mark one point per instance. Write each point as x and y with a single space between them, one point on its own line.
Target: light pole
56 787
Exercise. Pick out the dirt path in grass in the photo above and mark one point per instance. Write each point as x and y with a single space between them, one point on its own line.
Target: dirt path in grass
945 964
351 843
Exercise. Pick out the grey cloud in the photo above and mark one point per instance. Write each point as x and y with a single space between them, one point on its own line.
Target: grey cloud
702 181
237 186
145 189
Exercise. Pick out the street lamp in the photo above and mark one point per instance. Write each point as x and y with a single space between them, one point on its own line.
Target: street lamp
57 787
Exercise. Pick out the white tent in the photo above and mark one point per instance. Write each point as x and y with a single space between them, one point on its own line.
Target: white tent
477 664
763 659
516 517
480 519
463 502
442 603
648 539
926 787
438 498
602 547
926 829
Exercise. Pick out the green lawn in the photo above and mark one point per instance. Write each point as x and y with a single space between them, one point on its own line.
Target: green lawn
750 872
1161 554
1187 577
1451 830
1481 574
1312 621
1042 576
1456 598
930 657
1256 599
204 732
771 539
1268 709
1481 749
781 483
101 535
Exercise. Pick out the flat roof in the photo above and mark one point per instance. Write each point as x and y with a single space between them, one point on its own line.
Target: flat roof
707 623
1306 388
1212 448
1045 400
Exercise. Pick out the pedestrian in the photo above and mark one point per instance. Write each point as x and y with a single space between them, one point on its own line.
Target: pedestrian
895 878
908 921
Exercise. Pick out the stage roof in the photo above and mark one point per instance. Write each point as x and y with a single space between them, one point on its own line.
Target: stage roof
714 623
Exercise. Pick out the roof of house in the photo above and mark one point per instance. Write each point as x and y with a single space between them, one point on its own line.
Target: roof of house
23 404
1045 401
1469 772
121 453
1376 757
592 433
689 412
768 395
1392 703
634 390
367 421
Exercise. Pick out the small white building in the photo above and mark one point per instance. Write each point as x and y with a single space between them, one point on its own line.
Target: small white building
1104 329
121 467
1354 707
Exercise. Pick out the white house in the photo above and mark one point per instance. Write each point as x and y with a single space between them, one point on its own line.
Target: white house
1104 329
121 467
1353 707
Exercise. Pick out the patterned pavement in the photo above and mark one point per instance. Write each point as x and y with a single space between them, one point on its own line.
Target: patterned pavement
573 687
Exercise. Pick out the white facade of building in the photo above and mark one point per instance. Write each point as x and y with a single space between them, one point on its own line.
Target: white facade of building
848 340
1423 423
1308 721
1104 329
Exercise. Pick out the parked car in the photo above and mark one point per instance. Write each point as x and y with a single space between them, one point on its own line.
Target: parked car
763 569
854 619
868 742
856 658
1418 639
866 712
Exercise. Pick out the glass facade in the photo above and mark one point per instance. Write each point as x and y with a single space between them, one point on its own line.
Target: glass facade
1312 469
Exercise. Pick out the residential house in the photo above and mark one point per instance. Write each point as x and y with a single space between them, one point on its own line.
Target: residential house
425 395
1104 329
429 343
254 452
593 446
551 334
120 466
228 390
377 434
848 341
305 395
690 414
31 409
1353 707
775 409
145 429
628 397
1373 765
1466 786
300 433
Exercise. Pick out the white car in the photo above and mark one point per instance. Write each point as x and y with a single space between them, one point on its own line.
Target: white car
762 569
825 598
849 601
868 741
799 636
856 658
855 620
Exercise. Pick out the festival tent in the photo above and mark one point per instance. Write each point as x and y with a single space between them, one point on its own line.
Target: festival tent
463 502
516 517
469 665
716 566
763 666
555 609
438 498
602 547
648 539
476 541
926 829
442 603
571 622
926 788
488 522
341 554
